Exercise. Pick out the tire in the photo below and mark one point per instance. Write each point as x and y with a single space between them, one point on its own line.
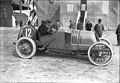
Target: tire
99 52
105 41
25 47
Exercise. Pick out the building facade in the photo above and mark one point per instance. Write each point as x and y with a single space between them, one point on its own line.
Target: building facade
66 10
107 10
8 10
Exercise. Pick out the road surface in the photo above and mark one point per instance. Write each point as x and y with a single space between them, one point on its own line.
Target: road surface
49 67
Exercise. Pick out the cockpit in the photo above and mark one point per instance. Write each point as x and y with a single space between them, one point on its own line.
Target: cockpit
47 27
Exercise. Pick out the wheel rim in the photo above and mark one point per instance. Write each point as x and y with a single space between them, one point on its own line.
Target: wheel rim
25 47
100 54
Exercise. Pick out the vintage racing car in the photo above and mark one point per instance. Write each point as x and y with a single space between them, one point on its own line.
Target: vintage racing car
82 42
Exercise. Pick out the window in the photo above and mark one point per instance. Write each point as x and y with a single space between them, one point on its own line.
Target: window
83 7
105 7
70 7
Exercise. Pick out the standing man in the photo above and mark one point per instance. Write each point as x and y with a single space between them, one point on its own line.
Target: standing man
118 34
16 22
88 26
21 23
71 24
33 17
80 24
99 27
57 25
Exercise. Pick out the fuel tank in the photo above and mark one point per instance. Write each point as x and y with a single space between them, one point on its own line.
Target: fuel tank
86 37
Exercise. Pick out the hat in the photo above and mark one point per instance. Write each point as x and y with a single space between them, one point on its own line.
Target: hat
99 20
48 21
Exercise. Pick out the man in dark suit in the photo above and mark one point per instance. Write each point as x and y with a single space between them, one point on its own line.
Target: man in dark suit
99 27
88 26
79 25
118 34
71 24
43 29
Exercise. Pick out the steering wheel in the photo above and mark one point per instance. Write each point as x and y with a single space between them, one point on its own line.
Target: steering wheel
52 29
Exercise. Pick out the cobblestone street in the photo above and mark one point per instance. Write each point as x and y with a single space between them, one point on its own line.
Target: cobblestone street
49 67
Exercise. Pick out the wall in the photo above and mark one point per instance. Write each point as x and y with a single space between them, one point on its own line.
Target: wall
106 10
47 11
113 14
67 10
5 13
58 11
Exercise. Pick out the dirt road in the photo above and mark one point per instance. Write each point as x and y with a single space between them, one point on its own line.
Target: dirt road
49 67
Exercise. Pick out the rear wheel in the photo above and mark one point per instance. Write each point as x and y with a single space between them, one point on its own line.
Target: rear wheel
100 54
25 47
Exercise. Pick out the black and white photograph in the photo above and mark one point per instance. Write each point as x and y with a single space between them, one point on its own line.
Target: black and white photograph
60 41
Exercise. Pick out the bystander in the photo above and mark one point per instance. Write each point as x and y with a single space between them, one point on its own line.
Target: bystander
21 23
71 25
88 26
99 27
16 22
80 24
118 34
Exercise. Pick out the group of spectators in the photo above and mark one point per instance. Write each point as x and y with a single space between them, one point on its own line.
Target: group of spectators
98 28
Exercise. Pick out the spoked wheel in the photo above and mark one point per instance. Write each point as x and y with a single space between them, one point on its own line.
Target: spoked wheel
26 47
100 54
105 41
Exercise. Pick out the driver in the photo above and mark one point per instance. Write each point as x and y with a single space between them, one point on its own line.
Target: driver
51 28
43 29
46 28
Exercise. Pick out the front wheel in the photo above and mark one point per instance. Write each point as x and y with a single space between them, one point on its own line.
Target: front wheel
25 47
100 54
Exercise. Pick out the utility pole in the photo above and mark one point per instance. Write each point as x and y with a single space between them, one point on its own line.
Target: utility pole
118 12
20 3
83 10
